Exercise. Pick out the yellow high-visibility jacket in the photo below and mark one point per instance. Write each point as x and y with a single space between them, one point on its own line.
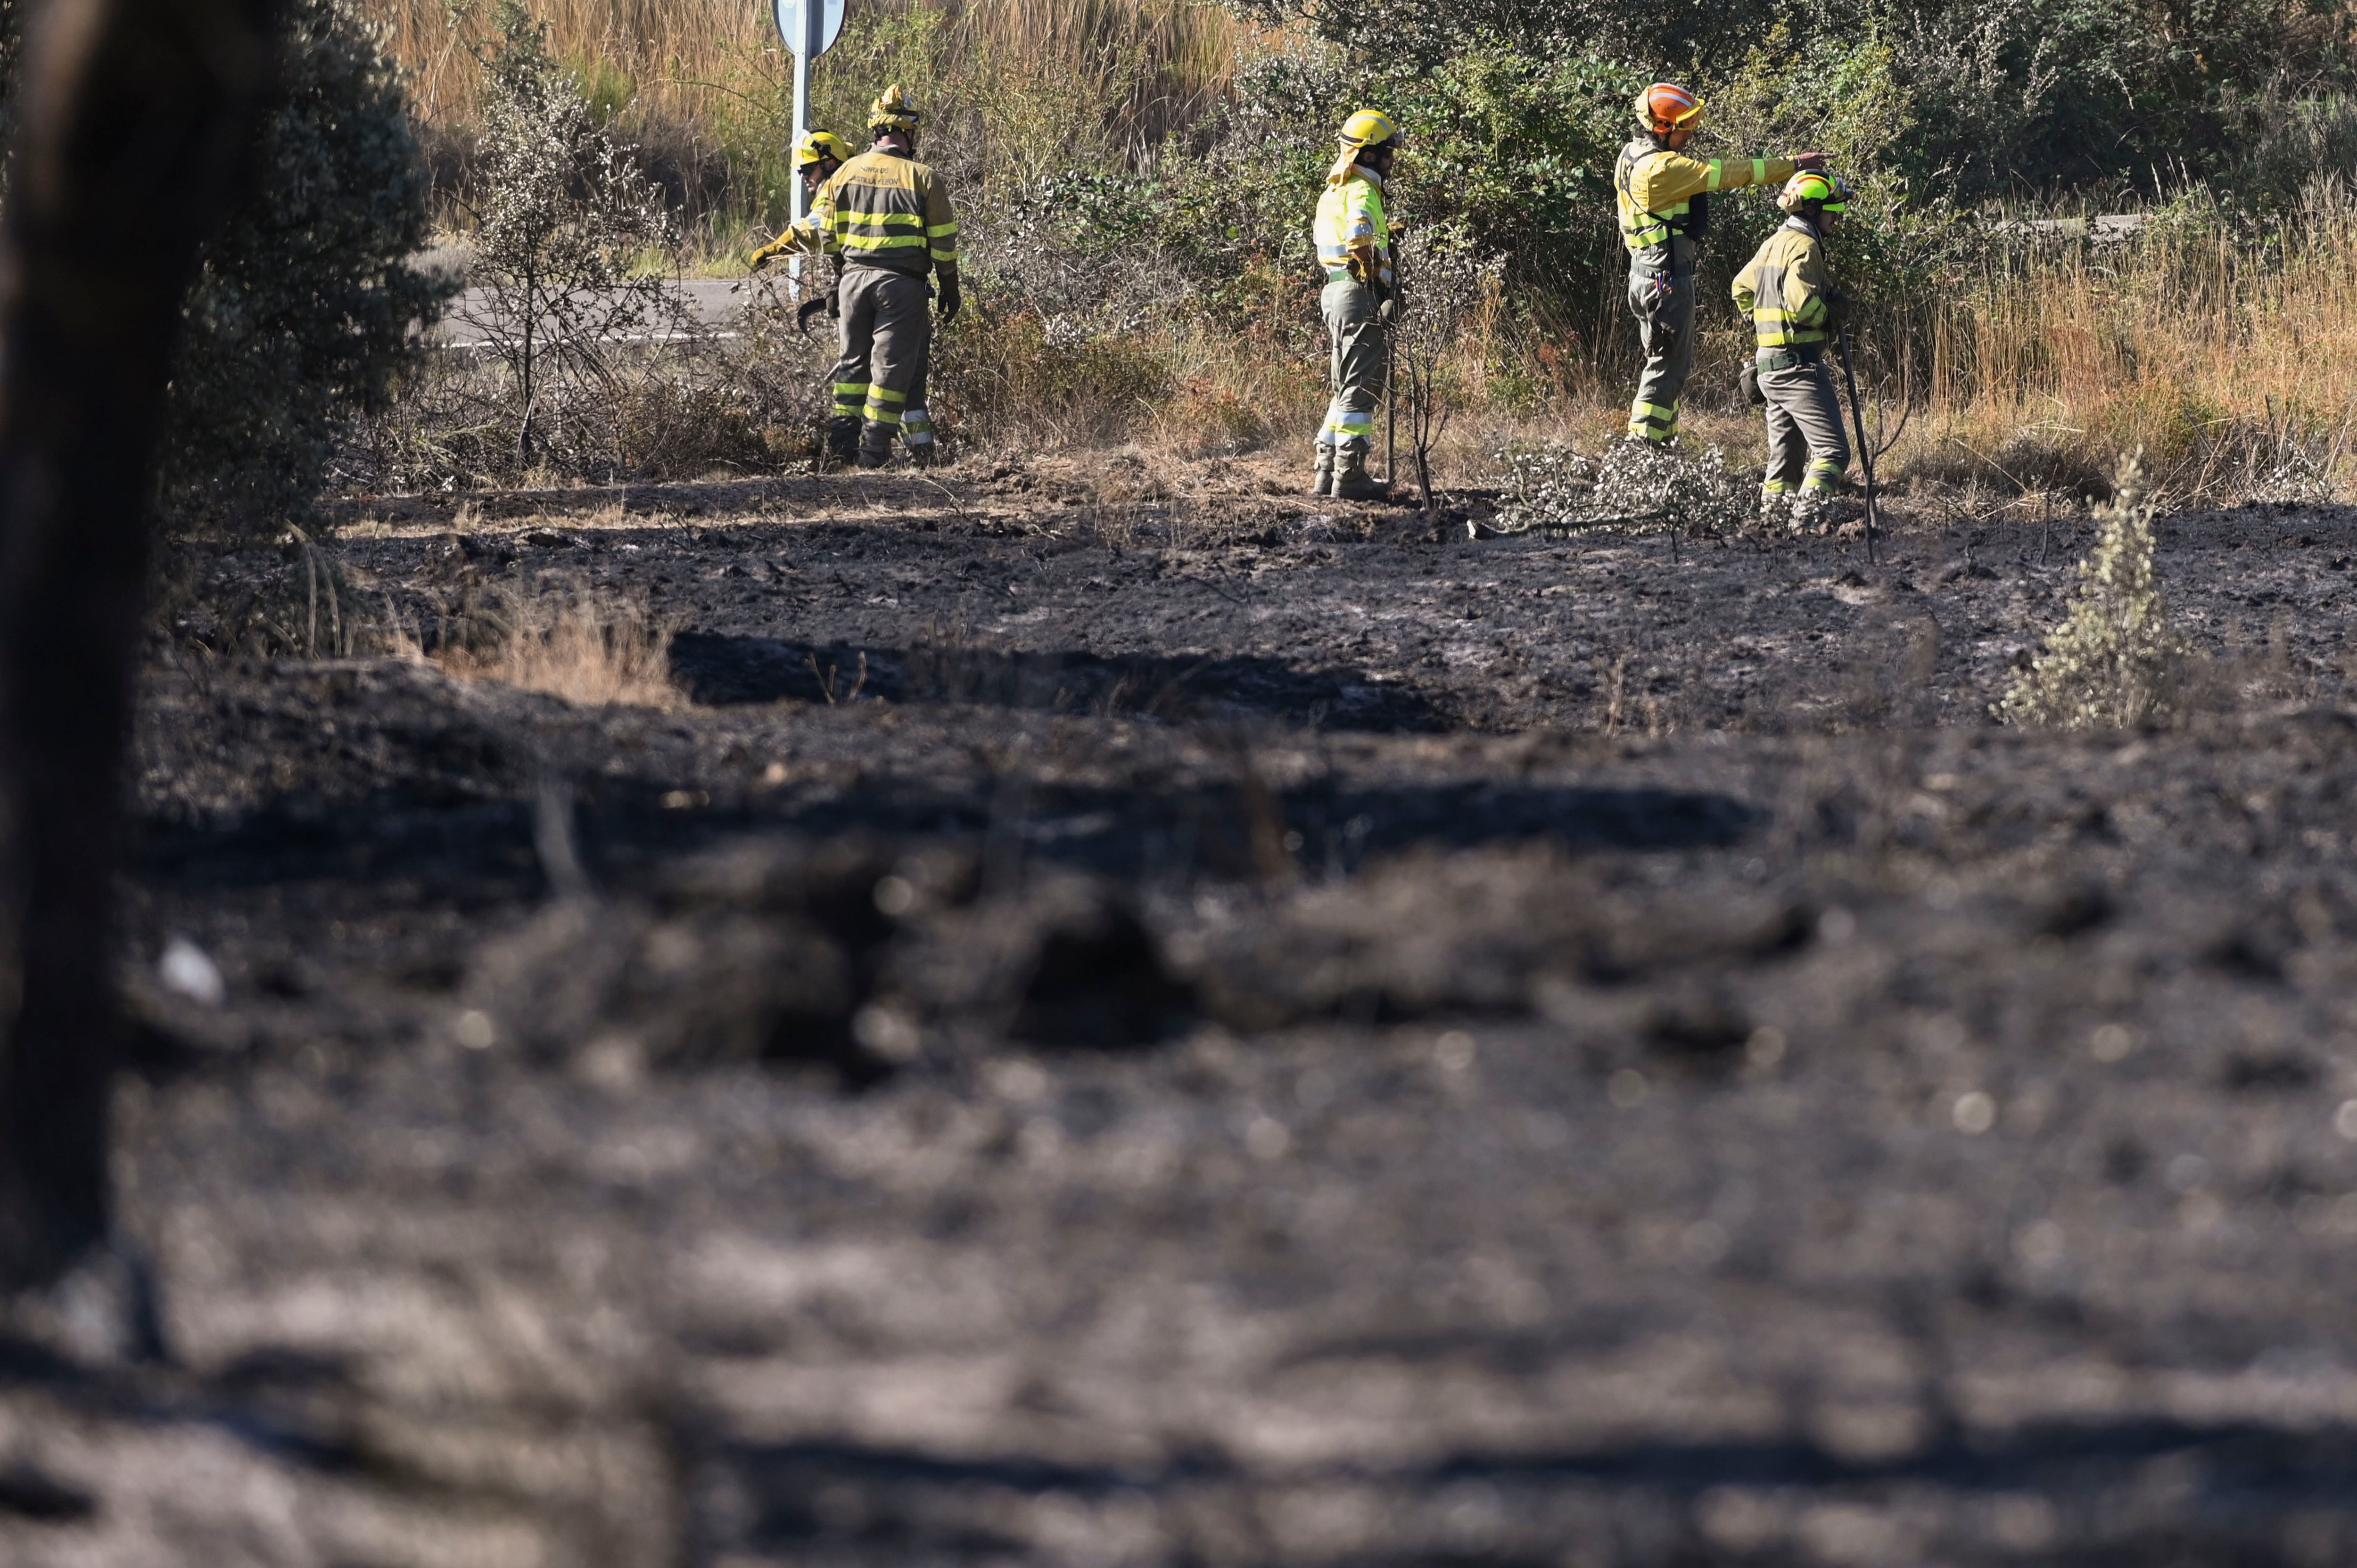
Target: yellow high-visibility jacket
886 209
1354 238
804 235
1656 187
1782 289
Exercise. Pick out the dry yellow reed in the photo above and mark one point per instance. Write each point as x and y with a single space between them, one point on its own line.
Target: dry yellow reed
1163 59
2216 359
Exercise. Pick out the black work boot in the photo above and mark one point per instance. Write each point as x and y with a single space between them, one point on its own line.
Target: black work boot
843 437
1351 480
1323 484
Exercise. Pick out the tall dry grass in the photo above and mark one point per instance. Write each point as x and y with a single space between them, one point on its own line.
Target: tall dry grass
2231 365
1154 64
2226 357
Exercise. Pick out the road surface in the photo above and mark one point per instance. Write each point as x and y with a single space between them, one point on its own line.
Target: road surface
713 305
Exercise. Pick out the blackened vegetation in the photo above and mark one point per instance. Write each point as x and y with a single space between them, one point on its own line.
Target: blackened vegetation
1288 1039
716 668
1326 1047
1579 1157
32 1495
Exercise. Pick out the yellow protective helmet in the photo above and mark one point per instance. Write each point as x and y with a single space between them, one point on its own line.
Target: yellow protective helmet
1665 106
1814 190
817 146
893 111
1369 128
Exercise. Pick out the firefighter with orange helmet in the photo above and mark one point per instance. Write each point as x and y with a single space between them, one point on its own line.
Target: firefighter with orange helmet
1664 196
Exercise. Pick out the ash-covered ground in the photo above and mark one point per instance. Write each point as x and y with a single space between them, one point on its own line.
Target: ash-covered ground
1189 1026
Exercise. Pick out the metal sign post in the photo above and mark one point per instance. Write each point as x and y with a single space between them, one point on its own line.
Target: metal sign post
809 28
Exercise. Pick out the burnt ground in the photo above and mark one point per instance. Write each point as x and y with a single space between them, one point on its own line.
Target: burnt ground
1251 1035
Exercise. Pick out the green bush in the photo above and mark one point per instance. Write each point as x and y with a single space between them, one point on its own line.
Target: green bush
301 320
1513 148
1003 361
2116 662
562 216
1994 96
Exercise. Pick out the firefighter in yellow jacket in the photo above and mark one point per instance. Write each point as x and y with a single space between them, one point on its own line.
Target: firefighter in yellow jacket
1665 201
816 157
1354 248
886 220
1787 291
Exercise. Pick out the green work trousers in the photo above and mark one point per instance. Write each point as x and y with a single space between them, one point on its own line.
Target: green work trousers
1661 293
887 339
1359 367
1807 450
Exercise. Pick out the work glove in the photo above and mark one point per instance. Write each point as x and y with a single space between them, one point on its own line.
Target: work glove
766 255
1389 310
1809 160
1837 310
1748 378
952 300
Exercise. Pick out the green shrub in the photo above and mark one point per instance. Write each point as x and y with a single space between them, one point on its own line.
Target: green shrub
301 321
2116 662
1003 361
562 215
2000 95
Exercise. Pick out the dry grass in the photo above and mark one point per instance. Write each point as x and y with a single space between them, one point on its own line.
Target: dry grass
1156 63
589 646
2231 368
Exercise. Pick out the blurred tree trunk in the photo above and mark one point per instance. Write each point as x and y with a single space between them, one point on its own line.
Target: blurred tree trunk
133 120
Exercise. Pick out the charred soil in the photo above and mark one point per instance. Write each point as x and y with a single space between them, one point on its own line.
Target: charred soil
1128 1018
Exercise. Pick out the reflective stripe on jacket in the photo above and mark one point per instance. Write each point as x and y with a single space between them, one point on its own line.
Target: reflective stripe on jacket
1655 187
1351 221
887 210
1784 288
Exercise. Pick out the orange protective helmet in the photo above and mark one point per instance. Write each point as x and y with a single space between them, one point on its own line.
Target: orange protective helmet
1665 106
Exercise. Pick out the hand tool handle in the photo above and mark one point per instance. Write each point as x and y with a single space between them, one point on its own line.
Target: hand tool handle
1864 452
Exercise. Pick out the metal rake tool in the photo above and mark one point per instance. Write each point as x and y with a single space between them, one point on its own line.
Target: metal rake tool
1864 452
